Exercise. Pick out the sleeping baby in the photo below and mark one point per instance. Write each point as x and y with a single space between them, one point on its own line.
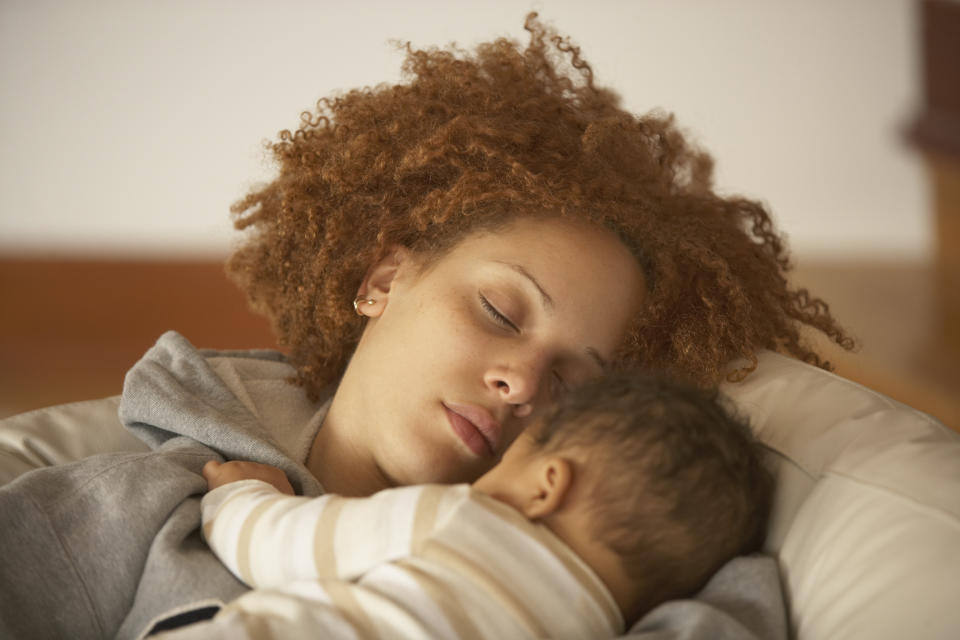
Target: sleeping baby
630 491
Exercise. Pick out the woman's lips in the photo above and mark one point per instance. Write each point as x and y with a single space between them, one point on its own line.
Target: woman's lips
475 427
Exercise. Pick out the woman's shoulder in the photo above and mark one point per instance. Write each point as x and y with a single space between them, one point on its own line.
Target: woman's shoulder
175 385
183 380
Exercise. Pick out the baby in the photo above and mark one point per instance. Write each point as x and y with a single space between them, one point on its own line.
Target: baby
630 491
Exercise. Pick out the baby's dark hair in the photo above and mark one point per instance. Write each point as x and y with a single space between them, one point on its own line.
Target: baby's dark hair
677 481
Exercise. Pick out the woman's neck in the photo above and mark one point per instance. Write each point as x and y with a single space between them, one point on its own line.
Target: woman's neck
339 460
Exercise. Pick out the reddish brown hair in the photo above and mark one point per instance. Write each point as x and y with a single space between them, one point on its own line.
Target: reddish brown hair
473 139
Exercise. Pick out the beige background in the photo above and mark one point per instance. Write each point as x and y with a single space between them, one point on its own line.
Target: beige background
129 126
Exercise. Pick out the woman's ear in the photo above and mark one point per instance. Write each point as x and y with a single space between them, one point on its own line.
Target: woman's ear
553 477
374 291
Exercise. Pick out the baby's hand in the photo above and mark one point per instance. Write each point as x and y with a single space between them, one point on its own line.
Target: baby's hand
217 474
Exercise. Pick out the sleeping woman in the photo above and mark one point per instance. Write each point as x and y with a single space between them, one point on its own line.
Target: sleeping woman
438 259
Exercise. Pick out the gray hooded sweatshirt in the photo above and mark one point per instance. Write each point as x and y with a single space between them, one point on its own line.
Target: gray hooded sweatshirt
110 546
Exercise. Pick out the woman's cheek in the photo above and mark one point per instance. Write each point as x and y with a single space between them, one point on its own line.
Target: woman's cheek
461 316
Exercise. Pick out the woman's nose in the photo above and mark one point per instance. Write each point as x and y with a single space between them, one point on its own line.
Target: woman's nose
516 385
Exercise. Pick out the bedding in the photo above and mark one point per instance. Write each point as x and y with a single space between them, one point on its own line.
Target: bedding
110 545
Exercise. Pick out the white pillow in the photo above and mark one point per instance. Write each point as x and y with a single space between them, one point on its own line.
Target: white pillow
60 434
866 519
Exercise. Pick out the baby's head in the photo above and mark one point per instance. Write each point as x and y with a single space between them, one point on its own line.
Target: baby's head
653 483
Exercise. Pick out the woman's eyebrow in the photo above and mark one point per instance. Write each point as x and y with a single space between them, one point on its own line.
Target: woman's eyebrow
545 298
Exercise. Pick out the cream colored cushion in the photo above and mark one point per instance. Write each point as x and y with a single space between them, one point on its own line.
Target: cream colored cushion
866 520
63 433
867 514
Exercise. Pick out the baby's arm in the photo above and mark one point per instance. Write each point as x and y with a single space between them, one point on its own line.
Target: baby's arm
268 539
218 474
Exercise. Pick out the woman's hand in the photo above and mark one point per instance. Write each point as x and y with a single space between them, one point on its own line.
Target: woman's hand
218 474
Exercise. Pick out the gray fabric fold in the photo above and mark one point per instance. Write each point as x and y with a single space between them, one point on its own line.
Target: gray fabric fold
742 601
105 546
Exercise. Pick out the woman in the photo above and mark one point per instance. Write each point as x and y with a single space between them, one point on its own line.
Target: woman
439 258
467 189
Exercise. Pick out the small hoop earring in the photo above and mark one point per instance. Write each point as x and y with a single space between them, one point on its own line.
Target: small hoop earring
358 300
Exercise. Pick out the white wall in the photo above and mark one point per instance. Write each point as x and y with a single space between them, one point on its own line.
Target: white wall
127 127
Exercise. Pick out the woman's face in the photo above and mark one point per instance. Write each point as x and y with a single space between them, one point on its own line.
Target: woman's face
454 358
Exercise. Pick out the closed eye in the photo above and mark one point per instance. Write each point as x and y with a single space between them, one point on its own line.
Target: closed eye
495 314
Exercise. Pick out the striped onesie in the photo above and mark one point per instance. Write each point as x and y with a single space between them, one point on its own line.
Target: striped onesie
426 561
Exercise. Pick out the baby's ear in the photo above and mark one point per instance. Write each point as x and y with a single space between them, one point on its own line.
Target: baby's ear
378 282
554 476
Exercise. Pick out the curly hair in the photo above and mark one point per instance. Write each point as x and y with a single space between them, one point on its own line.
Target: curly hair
472 140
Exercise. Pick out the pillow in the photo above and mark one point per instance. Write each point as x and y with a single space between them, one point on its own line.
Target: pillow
866 520
60 434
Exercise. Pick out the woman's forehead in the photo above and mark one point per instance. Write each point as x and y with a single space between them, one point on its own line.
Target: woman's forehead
542 235
549 251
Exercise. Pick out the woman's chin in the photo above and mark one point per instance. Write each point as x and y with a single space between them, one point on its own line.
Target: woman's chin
436 471
444 460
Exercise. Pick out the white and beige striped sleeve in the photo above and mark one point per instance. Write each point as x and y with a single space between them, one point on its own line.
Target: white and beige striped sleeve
268 539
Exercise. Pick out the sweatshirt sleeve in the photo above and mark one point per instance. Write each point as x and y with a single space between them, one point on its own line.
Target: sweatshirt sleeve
268 539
